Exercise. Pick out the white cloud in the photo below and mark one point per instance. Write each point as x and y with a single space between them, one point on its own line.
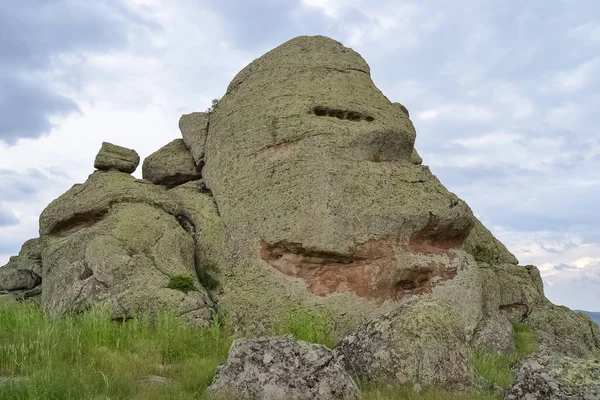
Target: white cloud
133 98
565 261
473 90
573 80
457 112
390 25
589 32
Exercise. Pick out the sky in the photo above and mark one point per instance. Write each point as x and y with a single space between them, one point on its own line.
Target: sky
504 96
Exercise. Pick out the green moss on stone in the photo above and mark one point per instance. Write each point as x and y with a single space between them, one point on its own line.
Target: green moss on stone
485 254
182 283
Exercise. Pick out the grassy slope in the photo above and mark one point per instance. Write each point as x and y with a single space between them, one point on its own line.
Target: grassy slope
89 357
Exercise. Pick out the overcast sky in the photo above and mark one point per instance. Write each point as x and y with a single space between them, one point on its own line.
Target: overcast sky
504 94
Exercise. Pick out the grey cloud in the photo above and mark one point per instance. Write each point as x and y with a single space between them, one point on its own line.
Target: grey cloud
22 186
33 34
560 267
575 293
7 218
262 24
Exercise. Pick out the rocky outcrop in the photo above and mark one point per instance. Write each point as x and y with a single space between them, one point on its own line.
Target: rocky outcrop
312 197
423 342
319 186
194 130
281 368
119 241
116 157
556 378
21 278
565 332
171 165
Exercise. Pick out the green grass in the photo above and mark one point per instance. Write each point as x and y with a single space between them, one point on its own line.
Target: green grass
497 368
310 326
90 357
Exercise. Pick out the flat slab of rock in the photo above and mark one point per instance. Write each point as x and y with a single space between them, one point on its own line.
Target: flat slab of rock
171 165
116 157
194 129
281 368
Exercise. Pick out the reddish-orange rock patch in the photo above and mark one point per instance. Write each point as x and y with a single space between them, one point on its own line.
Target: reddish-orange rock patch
370 271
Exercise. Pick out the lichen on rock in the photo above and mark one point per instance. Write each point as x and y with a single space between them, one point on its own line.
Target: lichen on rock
302 190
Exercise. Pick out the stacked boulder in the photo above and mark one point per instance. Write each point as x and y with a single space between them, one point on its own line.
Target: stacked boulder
301 189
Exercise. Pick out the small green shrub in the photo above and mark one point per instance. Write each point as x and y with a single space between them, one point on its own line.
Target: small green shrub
182 283
485 254
213 105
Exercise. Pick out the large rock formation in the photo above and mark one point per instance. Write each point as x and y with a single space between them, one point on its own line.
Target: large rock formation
311 196
119 241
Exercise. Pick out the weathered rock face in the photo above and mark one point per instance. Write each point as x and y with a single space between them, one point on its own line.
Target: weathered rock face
171 165
21 278
556 378
281 368
117 240
565 332
116 157
194 129
318 183
422 342
312 197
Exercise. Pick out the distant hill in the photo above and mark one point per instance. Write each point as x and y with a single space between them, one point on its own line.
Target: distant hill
595 316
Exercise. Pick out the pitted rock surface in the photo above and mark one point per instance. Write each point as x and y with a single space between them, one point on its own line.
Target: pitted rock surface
116 157
281 368
315 175
21 277
423 342
194 129
312 198
117 240
171 165
556 378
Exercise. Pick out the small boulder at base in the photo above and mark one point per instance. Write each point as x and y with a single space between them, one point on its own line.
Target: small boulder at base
556 378
171 165
21 278
116 157
281 368
194 129
420 343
